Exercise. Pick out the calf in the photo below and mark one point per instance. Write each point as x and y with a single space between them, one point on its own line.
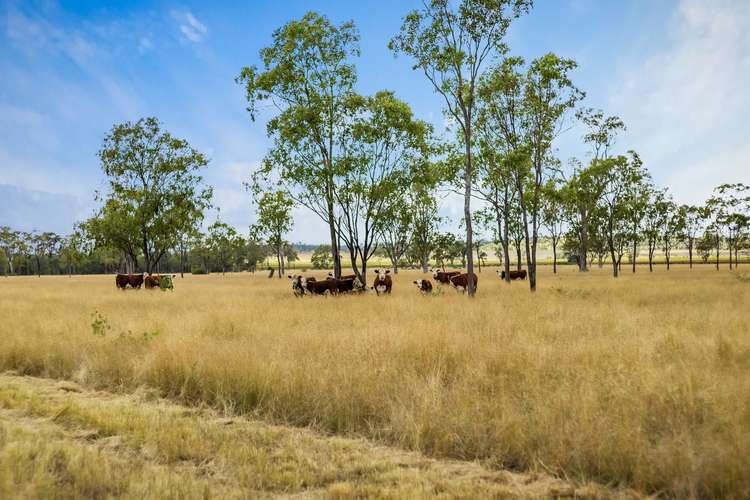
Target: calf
424 286
443 276
383 282
514 275
461 282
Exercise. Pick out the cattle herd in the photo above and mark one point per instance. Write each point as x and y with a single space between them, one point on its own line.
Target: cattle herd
348 283
309 285
150 281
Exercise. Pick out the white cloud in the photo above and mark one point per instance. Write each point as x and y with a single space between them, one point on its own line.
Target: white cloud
686 104
191 28
145 44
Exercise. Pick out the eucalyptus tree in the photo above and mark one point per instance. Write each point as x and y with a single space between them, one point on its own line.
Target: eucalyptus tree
386 140
309 78
498 151
528 107
637 196
654 221
601 132
622 201
581 194
43 244
274 220
426 219
730 204
396 232
223 243
548 94
451 46
155 192
11 243
673 227
693 217
72 250
553 215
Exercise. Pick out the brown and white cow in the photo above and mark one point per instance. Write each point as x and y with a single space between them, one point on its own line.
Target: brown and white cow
123 280
348 285
343 276
382 282
322 287
461 282
443 276
424 286
514 275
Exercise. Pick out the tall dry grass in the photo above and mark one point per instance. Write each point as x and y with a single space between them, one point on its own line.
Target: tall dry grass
642 381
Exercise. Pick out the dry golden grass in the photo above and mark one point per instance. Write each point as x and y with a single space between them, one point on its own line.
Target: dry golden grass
640 382
60 440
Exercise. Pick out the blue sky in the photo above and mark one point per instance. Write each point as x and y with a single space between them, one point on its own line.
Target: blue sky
676 71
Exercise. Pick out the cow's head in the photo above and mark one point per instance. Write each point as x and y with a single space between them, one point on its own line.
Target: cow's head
381 273
434 273
420 284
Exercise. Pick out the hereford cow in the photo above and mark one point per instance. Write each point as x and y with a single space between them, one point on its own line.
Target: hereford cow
163 281
152 281
514 275
461 282
344 276
424 286
299 284
134 280
320 287
347 285
382 283
443 276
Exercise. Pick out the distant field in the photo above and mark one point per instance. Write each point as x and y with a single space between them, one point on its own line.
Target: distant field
641 382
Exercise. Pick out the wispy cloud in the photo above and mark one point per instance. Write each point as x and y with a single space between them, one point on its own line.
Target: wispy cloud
686 104
191 29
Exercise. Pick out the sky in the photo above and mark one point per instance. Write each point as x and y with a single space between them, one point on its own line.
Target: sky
676 71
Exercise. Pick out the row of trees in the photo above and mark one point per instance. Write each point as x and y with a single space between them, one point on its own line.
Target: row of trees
373 172
219 249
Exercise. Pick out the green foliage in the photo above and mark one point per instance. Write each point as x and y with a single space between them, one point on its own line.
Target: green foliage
308 75
224 244
198 270
321 257
155 192
99 324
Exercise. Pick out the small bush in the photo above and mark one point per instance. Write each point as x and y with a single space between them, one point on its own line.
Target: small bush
198 270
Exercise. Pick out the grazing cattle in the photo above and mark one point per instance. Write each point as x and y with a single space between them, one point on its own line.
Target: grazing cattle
343 276
162 281
347 285
461 282
443 276
299 285
152 281
320 287
383 282
514 275
134 280
424 286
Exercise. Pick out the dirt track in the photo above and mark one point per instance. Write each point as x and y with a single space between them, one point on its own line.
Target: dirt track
87 443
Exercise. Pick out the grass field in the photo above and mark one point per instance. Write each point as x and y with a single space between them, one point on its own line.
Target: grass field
641 382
